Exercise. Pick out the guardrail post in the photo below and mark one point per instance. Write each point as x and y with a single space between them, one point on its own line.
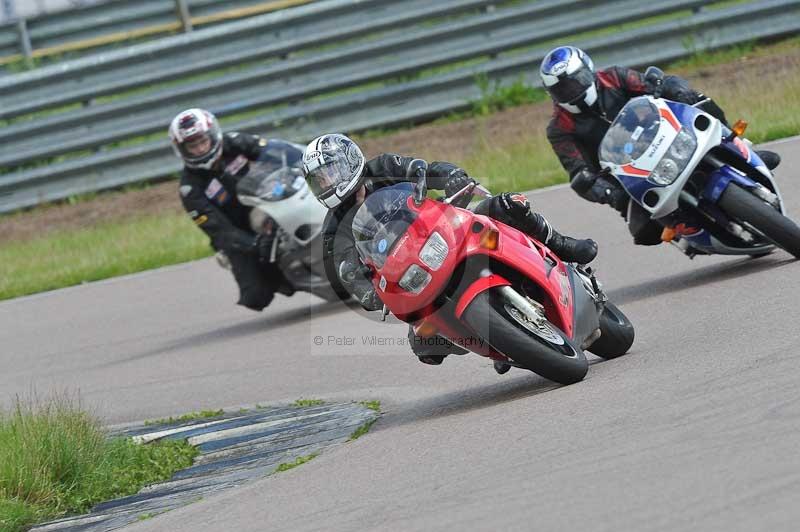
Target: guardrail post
183 13
25 41
489 9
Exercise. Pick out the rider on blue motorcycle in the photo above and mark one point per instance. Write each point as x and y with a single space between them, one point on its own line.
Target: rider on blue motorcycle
341 178
586 102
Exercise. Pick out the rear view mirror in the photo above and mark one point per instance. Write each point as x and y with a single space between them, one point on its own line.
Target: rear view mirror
654 77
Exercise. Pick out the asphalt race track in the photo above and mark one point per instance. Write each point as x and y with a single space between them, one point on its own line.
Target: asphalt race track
697 428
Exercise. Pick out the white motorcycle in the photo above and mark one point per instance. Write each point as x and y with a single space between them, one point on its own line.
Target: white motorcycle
285 206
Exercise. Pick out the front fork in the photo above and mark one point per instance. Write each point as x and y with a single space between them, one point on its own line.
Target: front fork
595 289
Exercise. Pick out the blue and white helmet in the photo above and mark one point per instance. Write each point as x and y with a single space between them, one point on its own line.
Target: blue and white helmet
568 75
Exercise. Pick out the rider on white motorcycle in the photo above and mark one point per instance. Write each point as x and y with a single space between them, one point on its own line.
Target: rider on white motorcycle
341 178
213 165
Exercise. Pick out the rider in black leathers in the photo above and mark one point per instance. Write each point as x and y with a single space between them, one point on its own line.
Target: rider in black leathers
585 103
213 165
341 178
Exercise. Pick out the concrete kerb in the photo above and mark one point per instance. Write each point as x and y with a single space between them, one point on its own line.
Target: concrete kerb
235 448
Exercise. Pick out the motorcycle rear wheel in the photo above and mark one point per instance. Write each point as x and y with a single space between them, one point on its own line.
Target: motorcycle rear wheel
546 350
616 336
746 207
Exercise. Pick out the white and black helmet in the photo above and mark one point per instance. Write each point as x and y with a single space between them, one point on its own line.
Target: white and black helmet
334 168
568 75
196 138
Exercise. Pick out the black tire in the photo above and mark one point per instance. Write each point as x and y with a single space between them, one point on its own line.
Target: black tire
328 295
488 317
745 207
617 333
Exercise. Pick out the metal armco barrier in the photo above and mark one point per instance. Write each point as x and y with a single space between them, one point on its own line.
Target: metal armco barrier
116 21
315 68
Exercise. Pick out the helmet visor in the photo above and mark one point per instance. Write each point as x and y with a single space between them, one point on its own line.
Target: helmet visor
573 86
201 146
198 146
326 175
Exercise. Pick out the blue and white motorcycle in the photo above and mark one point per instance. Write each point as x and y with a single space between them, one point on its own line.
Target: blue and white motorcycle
705 184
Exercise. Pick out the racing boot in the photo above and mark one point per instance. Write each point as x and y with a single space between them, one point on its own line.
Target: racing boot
432 350
570 249
770 158
517 208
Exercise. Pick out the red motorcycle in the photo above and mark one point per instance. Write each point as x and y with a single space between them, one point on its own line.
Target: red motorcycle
483 285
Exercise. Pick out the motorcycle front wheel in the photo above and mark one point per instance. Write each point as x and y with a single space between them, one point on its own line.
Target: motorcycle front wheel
744 206
616 333
524 337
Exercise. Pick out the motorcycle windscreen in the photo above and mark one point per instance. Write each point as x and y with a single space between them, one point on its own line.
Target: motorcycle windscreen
631 133
266 182
381 220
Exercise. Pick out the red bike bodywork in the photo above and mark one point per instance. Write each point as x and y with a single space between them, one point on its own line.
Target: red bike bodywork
469 235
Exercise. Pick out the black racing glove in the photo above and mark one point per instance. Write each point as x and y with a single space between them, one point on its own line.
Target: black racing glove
598 188
356 278
457 180
262 247
351 272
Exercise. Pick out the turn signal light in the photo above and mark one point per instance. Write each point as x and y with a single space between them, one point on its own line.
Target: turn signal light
668 234
739 128
490 239
426 330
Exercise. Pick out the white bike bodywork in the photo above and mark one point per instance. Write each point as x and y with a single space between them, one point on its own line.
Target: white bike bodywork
284 205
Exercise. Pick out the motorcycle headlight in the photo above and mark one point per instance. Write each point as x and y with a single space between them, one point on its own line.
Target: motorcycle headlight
415 279
683 147
666 172
434 252
676 159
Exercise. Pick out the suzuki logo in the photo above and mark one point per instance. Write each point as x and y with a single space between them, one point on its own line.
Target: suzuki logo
656 145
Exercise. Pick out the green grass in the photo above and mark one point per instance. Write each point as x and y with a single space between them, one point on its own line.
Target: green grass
72 257
497 97
772 109
191 416
286 466
308 402
372 405
360 431
56 459
526 164
363 429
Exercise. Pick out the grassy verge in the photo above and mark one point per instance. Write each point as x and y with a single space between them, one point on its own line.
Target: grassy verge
55 459
73 257
372 405
308 402
286 466
191 416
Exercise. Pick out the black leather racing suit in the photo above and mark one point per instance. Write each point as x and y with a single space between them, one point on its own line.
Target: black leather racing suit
342 263
209 196
576 138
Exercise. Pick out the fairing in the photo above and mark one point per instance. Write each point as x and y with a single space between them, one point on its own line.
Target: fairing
463 232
